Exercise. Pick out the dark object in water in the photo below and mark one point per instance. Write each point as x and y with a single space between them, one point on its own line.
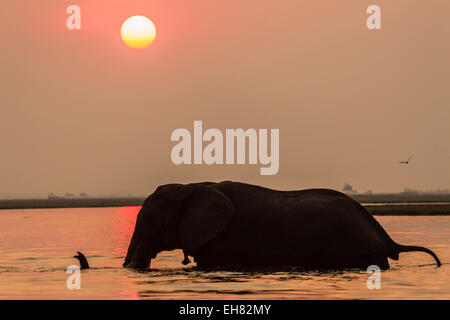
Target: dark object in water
83 261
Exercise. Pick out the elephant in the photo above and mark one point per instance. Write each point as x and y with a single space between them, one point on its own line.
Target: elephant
238 224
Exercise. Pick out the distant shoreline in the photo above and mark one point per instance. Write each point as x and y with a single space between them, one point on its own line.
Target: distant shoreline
376 204
406 204
70 203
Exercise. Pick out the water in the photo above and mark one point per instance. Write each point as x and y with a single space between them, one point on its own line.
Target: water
36 247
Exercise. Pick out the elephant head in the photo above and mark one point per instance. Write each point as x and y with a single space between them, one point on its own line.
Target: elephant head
178 216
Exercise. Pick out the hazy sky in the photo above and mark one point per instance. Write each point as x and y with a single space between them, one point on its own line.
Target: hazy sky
81 112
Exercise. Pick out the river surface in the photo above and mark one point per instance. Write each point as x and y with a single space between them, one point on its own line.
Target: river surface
37 246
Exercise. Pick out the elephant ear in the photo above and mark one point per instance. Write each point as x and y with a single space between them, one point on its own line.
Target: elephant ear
206 212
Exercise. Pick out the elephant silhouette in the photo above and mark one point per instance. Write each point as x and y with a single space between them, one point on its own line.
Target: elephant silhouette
233 223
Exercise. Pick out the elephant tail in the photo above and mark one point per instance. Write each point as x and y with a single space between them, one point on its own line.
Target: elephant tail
401 248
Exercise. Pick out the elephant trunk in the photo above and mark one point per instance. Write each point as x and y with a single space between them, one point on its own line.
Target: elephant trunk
137 264
139 254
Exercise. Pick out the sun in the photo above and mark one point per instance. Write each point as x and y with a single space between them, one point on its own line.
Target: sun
138 32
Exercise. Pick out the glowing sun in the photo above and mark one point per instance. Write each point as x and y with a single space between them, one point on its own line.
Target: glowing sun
138 32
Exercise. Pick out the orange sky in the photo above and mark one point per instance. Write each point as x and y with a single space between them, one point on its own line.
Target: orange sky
81 112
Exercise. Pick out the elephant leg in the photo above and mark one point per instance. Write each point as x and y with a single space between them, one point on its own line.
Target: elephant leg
381 262
186 258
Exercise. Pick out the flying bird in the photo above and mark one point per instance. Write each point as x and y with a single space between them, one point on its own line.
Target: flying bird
407 161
